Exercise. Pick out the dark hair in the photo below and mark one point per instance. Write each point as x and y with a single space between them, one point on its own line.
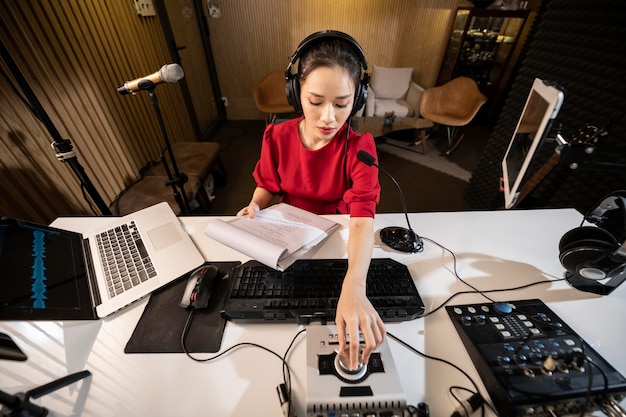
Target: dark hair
330 53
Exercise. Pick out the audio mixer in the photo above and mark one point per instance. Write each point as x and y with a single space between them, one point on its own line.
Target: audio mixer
533 364
335 390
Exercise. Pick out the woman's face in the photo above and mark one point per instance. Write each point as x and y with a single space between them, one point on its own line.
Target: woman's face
327 95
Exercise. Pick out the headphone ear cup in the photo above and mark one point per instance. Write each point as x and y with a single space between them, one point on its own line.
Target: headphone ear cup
583 246
292 90
587 233
360 97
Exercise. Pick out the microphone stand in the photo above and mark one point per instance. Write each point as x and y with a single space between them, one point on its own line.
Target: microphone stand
177 179
19 405
400 238
62 146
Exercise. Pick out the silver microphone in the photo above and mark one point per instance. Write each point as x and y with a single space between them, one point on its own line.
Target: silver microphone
169 73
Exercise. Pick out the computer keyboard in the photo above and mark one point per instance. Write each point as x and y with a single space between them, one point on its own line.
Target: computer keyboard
125 260
309 290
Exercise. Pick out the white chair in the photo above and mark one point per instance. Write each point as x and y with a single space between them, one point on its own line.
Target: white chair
391 89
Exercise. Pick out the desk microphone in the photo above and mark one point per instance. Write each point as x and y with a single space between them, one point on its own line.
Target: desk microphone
398 238
169 73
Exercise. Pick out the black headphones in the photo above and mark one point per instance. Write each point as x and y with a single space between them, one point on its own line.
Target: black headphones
292 87
593 254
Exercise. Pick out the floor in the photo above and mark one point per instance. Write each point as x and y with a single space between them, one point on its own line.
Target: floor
240 143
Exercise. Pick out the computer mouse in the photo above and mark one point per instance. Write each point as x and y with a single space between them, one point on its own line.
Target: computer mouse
199 287
401 239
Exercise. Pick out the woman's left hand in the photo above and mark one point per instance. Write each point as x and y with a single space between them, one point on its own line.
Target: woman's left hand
355 312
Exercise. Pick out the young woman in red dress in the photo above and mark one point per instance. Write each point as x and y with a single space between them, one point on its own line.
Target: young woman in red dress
311 163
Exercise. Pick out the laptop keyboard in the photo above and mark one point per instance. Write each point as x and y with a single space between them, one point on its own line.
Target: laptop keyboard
124 257
310 289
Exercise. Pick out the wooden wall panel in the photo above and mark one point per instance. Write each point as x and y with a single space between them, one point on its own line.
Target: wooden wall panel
74 55
251 39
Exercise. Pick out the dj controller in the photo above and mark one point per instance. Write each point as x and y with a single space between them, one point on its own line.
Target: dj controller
335 390
533 364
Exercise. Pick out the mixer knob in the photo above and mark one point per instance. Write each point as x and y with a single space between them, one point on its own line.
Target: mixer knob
480 319
467 320
504 360
521 358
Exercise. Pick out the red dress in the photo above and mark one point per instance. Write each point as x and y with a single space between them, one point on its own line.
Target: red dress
328 180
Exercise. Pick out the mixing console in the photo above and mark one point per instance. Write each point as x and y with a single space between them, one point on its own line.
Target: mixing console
533 364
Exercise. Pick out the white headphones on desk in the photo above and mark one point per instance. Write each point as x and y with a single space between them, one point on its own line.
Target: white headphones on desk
594 257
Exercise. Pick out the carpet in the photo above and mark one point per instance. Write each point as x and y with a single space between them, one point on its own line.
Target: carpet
433 159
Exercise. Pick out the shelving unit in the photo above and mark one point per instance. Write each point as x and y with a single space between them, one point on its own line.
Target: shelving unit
481 45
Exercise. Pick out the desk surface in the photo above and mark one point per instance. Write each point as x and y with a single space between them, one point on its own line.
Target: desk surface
499 249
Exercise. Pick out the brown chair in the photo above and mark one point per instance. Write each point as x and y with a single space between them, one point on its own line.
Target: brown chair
270 96
195 159
453 105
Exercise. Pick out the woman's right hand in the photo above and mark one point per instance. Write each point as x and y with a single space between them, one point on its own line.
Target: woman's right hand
250 210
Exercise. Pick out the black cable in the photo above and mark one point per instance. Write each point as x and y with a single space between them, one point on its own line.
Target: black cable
444 361
434 358
454 269
283 359
475 290
286 374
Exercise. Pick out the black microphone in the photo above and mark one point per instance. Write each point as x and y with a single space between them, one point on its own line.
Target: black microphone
398 238
169 73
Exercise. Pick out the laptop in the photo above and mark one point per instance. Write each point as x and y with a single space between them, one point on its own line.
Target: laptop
48 273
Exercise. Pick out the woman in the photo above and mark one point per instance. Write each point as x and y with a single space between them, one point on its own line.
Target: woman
311 163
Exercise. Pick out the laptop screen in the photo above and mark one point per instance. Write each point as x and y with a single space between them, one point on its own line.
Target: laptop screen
43 275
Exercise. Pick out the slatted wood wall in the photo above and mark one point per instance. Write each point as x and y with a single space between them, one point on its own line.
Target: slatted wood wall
251 39
74 55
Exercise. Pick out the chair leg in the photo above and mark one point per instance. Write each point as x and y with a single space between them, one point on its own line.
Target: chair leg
456 145
271 118
452 132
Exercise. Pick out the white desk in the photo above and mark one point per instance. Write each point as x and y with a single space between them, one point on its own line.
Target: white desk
494 250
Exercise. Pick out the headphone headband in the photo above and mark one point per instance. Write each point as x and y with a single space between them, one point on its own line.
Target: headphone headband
292 88
612 202
325 34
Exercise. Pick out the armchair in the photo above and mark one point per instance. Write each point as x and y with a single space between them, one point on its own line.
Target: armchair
391 89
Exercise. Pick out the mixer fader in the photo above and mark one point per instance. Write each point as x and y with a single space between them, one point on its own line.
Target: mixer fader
532 363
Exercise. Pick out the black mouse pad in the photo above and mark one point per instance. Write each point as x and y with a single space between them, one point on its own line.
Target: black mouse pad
161 325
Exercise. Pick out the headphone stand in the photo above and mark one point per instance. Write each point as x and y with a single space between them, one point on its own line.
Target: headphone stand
596 287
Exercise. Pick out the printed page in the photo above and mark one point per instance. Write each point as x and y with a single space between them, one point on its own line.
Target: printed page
244 242
274 233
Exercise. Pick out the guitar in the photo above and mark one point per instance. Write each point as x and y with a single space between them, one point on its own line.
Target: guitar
587 137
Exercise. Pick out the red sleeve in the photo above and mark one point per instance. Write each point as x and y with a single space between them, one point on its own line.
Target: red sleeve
363 193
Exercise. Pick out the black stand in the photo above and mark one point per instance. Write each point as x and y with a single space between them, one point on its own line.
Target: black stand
19 405
62 146
596 287
176 179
